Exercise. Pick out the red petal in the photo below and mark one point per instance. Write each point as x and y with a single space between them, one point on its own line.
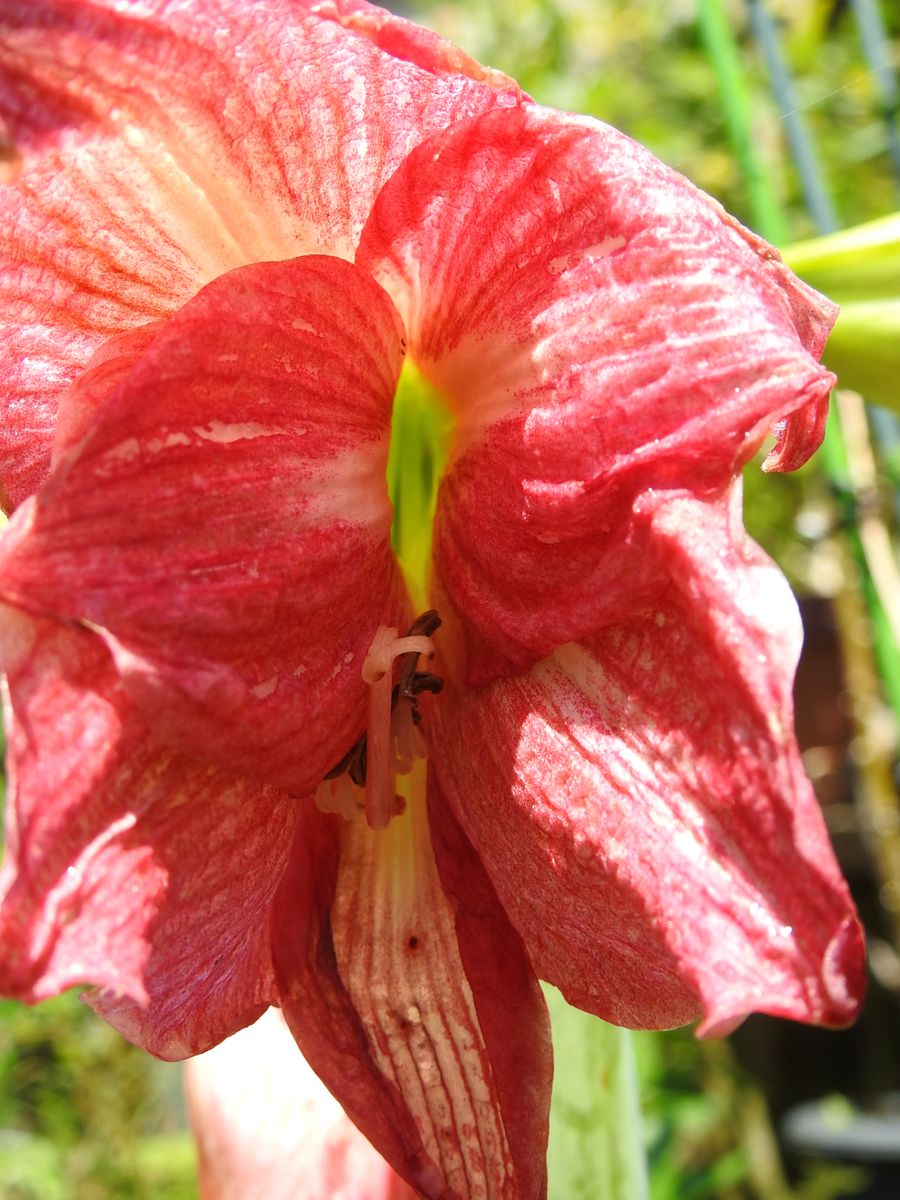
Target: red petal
266 1126
377 990
640 804
412 42
506 997
164 146
601 329
127 866
89 247
224 524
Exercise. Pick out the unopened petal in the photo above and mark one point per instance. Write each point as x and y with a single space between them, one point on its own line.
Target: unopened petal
600 328
268 1129
128 867
641 807
158 145
224 523
418 1045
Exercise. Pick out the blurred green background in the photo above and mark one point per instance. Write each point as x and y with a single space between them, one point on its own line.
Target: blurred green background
84 1115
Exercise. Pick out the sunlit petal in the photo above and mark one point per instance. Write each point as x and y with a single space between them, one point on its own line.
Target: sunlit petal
641 807
160 145
601 329
221 516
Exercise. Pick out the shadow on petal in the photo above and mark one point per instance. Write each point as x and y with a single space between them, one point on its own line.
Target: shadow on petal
640 804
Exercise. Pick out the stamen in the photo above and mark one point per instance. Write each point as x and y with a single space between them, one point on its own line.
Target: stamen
409 744
393 740
379 777
376 671
337 796
386 646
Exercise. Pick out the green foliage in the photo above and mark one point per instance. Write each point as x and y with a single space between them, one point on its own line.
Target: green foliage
647 69
84 1114
708 1132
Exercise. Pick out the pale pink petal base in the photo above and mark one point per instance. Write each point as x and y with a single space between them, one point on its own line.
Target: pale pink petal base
641 807
377 989
268 1129
128 867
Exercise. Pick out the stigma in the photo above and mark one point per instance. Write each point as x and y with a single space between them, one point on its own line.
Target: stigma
393 740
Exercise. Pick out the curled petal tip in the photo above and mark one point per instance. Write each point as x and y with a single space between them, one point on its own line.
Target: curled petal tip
844 974
721 1028
834 995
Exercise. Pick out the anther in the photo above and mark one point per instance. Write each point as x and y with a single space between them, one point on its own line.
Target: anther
374 759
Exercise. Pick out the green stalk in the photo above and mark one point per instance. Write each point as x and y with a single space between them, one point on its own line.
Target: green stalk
838 469
860 269
596 1134
766 212
725 61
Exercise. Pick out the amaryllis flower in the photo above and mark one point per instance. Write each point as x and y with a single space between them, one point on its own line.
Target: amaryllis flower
254 759
267 1129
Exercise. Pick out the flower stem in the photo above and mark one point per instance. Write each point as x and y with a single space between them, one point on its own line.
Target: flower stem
766 213
596 1133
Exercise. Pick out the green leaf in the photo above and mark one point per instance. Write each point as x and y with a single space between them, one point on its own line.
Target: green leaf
860 269
864 350
715 27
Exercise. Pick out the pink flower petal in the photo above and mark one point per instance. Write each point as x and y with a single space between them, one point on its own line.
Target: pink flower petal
224 524
510 1007
640 804
267 1127
600 328
102 881
381 996
405 40
162 145
88 248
